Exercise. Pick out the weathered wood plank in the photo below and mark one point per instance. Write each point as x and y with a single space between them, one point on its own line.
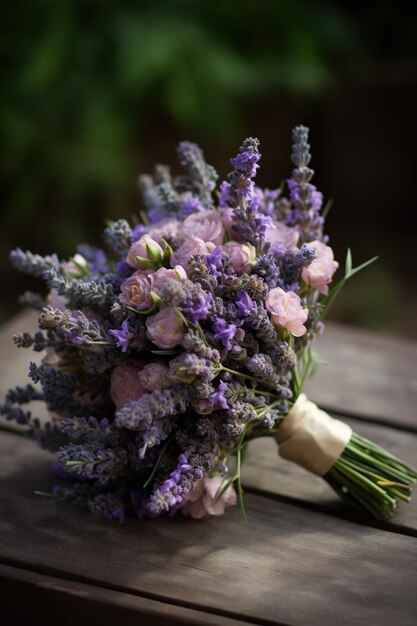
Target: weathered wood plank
368 375
283 566
265 470
49 601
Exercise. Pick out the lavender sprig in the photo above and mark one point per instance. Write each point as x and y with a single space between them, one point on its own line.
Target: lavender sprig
239 194
118 236
81 293
305 198
33 264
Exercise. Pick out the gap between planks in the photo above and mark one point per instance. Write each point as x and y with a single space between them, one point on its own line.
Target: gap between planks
48 594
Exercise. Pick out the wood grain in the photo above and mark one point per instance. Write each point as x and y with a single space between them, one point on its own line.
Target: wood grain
368 375
50 601
284 566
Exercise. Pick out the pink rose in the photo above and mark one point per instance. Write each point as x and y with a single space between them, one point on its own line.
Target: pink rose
287 311
142 248
136 291
57 301
51 358
165 329
167 228
155 376
125 386
201 501
241 256
281 235
320 272
178 371
189 248
207 225
228 221
160 277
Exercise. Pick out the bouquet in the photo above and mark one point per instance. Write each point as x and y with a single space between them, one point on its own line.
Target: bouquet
164 357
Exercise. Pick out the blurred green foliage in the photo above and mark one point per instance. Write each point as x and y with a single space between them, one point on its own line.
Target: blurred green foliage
84 80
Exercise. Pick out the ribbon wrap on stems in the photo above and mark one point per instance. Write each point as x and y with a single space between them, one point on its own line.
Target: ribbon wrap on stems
311 438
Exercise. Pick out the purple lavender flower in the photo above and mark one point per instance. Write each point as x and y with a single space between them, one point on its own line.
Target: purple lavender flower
239 194
201 176
198 306
124 269
89 459
246 162
78 427
152 406
268 268
305 198
292 263
243 303
218 397
224 332
193 343
108 506
266 200
168 497
241 186
122 336
118 236
138 231
73 326
218 262
238 416
190 204
191 298
33 264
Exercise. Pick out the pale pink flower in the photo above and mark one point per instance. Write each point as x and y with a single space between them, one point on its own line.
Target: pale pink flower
242 256
207 225
167 228
201 501
155 376
287 310
320 272
160 277
175 374
51 358
165 329
279 234
56 300
190 247
140 248
228 221
136 291
125 386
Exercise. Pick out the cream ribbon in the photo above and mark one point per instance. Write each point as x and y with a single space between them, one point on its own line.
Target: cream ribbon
310 437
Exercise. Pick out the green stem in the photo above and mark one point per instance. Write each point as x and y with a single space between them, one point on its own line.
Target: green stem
246 377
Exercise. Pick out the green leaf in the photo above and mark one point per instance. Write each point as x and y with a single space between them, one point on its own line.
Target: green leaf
144 264
158 463
349 272
224 488
348 264
327 208
163 352
149 311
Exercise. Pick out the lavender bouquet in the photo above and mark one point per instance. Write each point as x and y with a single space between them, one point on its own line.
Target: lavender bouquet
166 356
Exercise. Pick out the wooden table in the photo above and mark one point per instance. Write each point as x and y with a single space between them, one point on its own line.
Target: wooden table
302 558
